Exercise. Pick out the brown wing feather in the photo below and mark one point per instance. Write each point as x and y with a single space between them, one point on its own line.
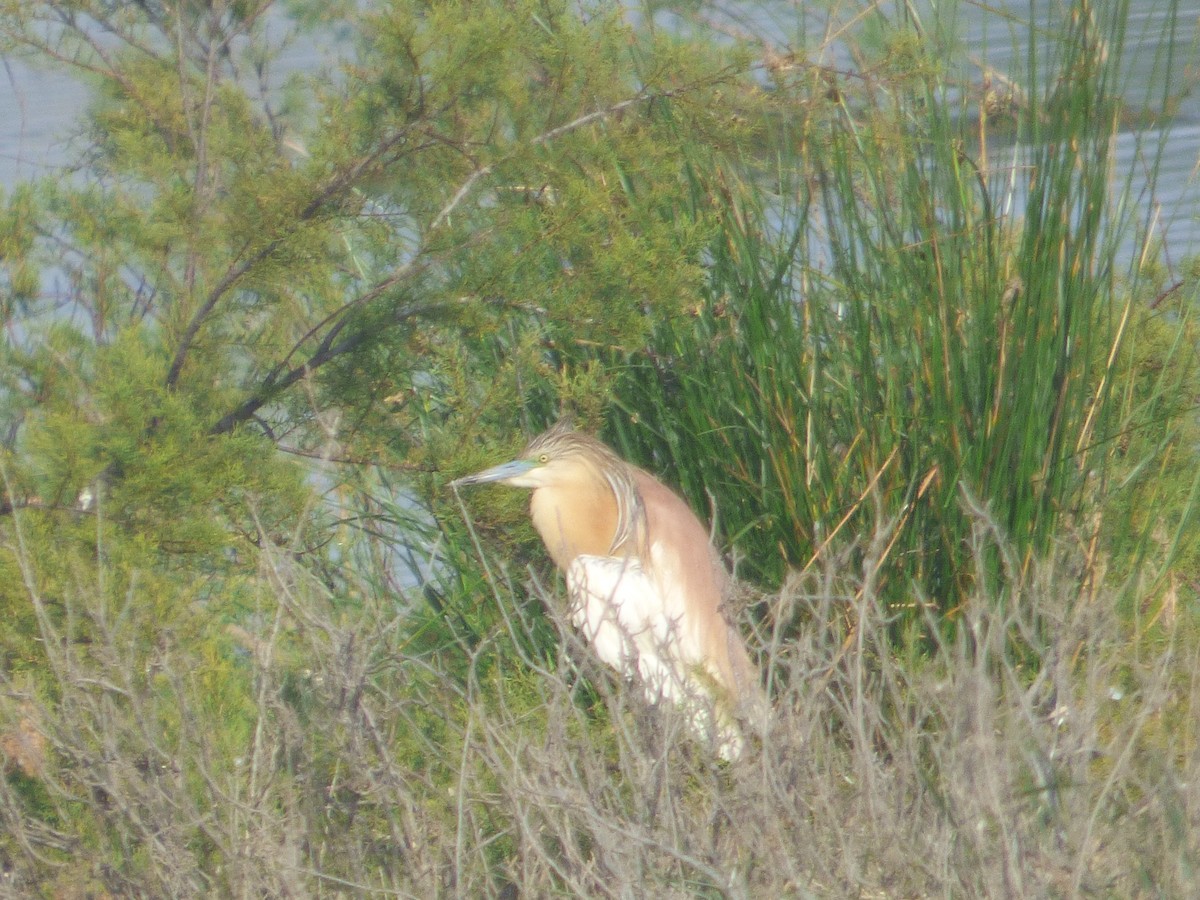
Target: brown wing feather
688 556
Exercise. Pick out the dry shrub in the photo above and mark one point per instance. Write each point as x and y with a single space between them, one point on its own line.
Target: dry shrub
1047 748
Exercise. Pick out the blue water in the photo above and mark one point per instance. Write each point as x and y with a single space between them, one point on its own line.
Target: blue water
39 113
41 126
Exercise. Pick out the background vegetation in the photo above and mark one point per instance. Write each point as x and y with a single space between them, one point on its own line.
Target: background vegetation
871 309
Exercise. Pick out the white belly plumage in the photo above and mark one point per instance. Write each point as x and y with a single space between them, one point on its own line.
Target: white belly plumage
641 631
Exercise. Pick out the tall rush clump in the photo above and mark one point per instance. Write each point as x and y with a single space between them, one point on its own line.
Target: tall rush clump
902 321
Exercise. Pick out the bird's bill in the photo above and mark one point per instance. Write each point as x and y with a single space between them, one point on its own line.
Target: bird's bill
502 472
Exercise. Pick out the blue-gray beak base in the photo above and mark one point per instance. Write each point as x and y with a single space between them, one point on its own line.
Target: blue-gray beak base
502 472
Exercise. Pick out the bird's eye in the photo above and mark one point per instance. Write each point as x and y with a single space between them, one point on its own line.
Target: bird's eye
543 458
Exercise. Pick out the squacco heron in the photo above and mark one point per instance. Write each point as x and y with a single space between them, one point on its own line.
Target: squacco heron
646 588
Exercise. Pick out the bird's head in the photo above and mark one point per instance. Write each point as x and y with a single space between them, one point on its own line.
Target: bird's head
556 457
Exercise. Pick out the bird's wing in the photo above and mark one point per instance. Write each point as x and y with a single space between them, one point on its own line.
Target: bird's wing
694 585
690 576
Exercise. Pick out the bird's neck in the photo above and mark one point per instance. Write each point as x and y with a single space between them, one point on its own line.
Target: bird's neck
576 517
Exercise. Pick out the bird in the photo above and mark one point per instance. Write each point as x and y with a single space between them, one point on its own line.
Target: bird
646 587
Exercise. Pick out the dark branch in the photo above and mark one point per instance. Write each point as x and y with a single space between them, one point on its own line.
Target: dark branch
328 351
337 186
